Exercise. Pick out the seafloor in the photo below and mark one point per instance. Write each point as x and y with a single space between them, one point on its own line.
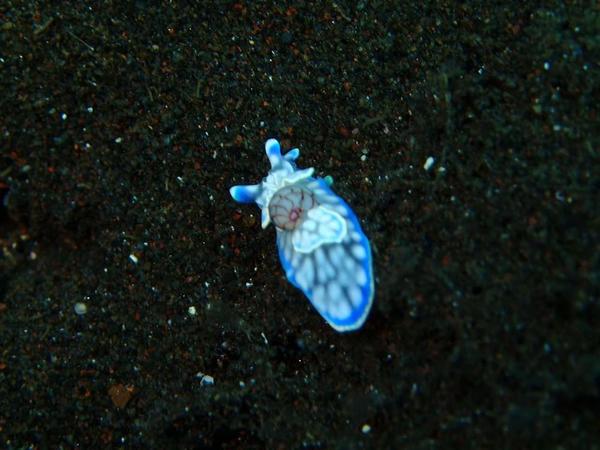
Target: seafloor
122 126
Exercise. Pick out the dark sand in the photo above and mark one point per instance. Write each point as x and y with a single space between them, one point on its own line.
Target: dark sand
122 126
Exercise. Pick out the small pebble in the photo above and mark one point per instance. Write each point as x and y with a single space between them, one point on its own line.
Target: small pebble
429 163
80 308
120 395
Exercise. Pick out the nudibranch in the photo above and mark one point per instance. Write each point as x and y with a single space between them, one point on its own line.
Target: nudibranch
321 245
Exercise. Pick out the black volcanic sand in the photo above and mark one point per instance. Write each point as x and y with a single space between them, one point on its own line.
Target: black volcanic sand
122 126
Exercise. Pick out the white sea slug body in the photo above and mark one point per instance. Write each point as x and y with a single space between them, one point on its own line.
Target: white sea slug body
321 245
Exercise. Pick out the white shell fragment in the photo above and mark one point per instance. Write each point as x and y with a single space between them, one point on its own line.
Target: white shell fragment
321 245
205 380
429 162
